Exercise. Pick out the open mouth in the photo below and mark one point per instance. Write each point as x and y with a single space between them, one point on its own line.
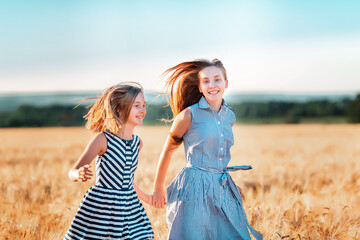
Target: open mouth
214 92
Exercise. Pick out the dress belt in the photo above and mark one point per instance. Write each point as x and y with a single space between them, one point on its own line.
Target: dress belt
224 172
227 178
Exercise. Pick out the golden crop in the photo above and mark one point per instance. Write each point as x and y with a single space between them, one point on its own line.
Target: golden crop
305 182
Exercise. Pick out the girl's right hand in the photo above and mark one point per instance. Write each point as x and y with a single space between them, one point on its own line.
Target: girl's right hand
82 174
158 198
85 173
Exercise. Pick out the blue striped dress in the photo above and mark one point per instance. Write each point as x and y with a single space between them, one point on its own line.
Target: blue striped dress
203 201
111 208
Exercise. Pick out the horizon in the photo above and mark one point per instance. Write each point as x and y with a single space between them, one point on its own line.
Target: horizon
10 102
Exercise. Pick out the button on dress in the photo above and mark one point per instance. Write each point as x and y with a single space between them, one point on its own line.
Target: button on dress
203 201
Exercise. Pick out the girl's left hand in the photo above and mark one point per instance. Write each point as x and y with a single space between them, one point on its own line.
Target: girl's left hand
158 198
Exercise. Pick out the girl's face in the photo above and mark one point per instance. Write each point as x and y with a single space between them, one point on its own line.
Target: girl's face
138 111
212 83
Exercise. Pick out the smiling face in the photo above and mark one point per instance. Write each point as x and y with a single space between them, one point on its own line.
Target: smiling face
138 110
212 84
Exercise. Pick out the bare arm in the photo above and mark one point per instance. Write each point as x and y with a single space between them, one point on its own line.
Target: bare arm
180 126
80 171
143 196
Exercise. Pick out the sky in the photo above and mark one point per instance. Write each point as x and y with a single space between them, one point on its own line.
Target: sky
266 46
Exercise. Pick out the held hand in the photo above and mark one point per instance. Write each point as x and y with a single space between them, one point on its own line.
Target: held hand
148 199
158 198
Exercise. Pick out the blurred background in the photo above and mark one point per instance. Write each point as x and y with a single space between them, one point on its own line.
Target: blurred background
287 61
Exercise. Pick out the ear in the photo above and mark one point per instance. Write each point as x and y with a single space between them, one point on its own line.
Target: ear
226 83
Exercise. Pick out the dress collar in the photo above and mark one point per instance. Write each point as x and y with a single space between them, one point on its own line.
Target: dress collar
205 105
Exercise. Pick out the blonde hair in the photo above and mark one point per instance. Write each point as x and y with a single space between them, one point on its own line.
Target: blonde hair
183 83
111 110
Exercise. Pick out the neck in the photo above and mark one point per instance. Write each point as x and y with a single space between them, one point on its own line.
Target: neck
215 105
126 132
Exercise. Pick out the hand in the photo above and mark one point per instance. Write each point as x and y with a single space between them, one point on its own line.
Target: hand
84 173
148 199
158 198
241 192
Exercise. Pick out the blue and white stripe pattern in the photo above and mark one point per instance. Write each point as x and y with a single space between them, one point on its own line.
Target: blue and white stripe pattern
111 208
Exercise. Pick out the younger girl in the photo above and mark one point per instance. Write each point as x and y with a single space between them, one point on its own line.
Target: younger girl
111 208
203 201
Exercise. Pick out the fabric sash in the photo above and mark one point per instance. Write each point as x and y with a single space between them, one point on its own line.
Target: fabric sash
225 177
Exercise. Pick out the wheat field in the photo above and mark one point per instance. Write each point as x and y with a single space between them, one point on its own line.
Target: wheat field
305 182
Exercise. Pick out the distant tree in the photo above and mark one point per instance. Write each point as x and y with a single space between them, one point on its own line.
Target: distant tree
30 116
27 116
261 112
294 114
353 109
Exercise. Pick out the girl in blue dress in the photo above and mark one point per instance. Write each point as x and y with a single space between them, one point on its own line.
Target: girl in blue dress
111 209
202 202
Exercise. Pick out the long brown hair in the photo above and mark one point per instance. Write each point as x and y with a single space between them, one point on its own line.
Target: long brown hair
182 85
112 109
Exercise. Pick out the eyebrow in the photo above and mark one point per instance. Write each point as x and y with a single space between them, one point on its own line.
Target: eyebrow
139 102
214 76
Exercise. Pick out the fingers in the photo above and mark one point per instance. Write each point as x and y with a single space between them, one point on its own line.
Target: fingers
85 173
85 170
157 203
154 202
150 200
163 202
160 204
83 178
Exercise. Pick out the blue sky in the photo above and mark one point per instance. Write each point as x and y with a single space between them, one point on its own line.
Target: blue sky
271 46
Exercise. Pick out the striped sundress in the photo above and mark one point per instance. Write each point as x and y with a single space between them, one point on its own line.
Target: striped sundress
111 208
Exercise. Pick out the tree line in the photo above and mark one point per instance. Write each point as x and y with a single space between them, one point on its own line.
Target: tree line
347 110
